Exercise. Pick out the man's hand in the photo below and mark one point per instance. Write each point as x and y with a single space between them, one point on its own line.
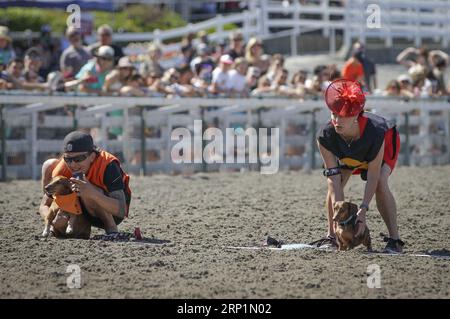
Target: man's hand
360 222
83 188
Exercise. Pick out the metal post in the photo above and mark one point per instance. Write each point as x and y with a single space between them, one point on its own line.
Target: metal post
407 155
333 42
258 128
143 146
448 138
202 115
3 132
75 120
313 140
34 146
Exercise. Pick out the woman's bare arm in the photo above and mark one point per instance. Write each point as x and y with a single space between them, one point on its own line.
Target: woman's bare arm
334 182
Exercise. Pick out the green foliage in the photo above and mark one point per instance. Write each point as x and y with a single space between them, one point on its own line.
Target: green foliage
136 18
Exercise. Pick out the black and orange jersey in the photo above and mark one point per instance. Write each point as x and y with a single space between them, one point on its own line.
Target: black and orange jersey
358 154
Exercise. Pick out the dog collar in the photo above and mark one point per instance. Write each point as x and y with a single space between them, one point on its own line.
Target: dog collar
69 203
350 220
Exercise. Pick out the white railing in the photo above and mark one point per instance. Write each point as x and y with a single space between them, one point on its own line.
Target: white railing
413 20
145 126
248 20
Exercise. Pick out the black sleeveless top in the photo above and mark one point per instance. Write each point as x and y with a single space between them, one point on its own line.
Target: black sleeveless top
359 153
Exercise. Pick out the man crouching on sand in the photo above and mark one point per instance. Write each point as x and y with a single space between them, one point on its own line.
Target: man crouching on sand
101 185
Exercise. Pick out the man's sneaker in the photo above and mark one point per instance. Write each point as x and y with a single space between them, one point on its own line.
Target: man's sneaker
393 246
325 242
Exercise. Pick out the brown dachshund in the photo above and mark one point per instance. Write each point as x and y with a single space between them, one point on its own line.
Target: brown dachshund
345 219
58 188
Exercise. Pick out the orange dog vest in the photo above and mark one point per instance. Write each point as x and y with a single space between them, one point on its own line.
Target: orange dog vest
69 203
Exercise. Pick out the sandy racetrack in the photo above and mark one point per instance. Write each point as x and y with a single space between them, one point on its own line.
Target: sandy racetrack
202 213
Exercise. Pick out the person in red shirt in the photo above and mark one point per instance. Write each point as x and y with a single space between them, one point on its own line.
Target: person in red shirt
353 70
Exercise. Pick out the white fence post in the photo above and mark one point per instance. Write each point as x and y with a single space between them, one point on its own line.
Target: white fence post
325 18
387 14
34 144
296 29
157 36
264 20
418 37
448 137
348 24
332 42
126 147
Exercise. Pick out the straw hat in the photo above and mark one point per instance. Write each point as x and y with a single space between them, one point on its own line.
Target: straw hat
4 33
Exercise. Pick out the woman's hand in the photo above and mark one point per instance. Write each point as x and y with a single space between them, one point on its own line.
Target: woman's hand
360 222
83 188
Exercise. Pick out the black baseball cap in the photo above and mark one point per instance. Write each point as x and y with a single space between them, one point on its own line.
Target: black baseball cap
77 141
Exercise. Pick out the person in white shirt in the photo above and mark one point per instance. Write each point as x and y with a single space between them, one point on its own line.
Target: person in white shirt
220 75
237 82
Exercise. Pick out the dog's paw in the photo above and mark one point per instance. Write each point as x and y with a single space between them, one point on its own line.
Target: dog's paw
69 229
46 232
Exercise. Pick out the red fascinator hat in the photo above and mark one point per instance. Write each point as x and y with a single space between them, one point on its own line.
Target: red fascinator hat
345 98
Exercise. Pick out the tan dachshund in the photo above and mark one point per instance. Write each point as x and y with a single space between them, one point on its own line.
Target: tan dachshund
345 219
65 200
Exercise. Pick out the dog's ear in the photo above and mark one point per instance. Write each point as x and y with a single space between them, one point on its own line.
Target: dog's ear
337 205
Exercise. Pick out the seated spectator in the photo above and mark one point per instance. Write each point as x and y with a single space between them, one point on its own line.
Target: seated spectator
219 50
253 75
236 49
154 84
185 80
276 65
92 75
152 65
170 83
187 49
187 54
298 82
6 50
219 83
263 88
334 75
119 77
406 88
12 77
422 87
32 65
319 82
237 81
203 39
253 54
75 56
134 86
203 65
105 38
281 87
392 89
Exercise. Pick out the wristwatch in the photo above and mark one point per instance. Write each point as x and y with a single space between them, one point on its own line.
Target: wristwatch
364 206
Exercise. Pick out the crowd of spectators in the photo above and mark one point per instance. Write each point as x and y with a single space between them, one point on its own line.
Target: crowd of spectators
234 68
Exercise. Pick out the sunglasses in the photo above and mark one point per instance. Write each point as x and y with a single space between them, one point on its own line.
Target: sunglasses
76 159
